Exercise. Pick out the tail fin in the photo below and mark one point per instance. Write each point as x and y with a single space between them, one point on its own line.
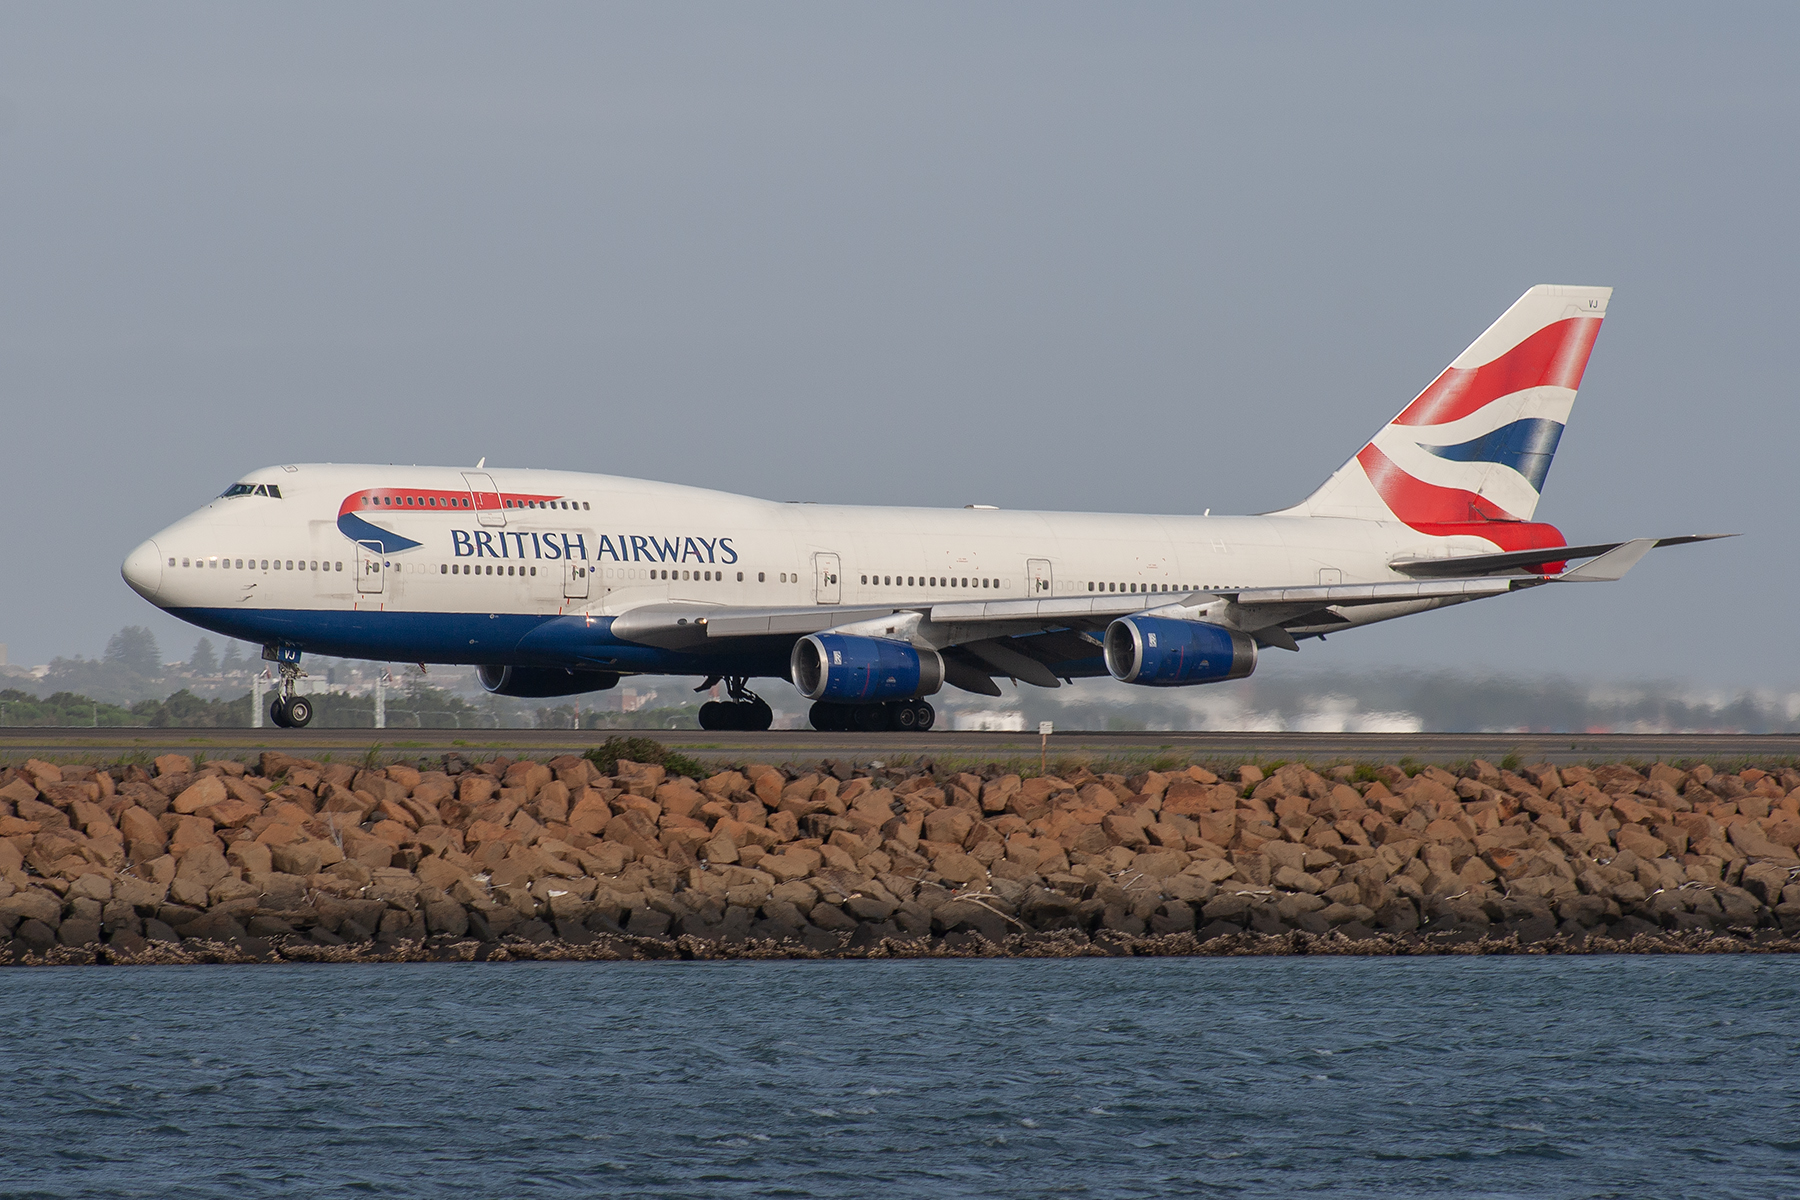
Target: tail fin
1476 445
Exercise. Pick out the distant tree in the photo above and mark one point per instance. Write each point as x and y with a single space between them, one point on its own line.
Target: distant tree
134 648
231 661
184 710
203 661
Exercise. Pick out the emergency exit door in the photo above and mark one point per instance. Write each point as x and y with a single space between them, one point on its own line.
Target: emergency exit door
1043 586
575 580
370 567
489 510
825 567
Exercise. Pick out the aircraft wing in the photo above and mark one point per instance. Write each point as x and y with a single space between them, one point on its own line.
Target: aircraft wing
1031 639
1464 565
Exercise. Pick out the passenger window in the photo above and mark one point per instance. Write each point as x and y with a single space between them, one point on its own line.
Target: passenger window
584 506
759 577
171 562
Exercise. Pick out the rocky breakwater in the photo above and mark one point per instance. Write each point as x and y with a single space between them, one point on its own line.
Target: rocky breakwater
285 858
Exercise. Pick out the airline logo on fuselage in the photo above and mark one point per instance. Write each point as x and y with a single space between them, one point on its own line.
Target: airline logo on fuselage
353 523
633 547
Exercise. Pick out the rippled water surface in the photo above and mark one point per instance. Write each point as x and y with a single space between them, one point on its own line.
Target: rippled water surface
1630 1077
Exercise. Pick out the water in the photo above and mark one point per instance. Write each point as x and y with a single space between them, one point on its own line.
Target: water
1480 1077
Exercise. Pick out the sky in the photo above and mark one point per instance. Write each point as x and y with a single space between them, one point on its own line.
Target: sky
1136 258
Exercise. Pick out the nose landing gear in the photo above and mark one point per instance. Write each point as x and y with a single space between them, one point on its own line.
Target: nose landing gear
745 711
288 711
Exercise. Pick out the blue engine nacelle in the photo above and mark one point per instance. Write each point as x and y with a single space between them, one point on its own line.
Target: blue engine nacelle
863 670
543 682
1161 652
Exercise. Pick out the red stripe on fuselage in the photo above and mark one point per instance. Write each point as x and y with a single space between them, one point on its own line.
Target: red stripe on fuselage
431 500
1554 356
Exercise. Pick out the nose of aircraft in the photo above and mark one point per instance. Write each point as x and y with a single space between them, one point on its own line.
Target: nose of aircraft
143 570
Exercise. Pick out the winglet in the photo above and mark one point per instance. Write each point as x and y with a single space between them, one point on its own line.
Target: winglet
1612 565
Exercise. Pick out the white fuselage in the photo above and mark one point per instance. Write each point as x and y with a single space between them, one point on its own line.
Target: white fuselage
359 550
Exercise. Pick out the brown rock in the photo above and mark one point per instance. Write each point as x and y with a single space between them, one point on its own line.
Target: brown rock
203 865
251 856
176 764
960 868
303 858
950 825
589 813
43 816
1640 842
796 863
997 794
139 826
1160 864
206 790
140 893
1122 830
1749 837
32 905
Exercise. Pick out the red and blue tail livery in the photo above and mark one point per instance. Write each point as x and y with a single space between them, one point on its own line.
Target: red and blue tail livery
1473 450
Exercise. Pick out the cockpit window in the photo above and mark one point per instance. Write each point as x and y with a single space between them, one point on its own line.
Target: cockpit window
273 491
252 489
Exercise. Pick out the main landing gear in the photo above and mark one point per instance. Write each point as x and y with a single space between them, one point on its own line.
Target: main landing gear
288 710
905 716
745 710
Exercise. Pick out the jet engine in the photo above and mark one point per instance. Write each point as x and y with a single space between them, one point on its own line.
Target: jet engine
539 682
856 670
1161 652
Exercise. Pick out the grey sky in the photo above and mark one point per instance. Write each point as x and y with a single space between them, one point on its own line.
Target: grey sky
1139 258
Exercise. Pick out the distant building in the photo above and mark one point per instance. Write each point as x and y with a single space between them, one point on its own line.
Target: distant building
990 721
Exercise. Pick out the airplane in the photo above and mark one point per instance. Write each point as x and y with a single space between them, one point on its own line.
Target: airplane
557 583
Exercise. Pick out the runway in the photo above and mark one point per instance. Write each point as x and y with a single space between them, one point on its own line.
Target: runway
951 747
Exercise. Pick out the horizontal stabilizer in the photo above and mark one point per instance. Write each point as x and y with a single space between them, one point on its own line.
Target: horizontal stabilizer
1462 566
1612 565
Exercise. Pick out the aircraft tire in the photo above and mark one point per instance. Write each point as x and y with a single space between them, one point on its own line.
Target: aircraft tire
924 717
903 716
278 713
713 715
871 718
299 712
757 717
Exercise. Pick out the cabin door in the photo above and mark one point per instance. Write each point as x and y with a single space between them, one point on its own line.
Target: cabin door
370 567
1042 584
825 567
575 580
486 497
